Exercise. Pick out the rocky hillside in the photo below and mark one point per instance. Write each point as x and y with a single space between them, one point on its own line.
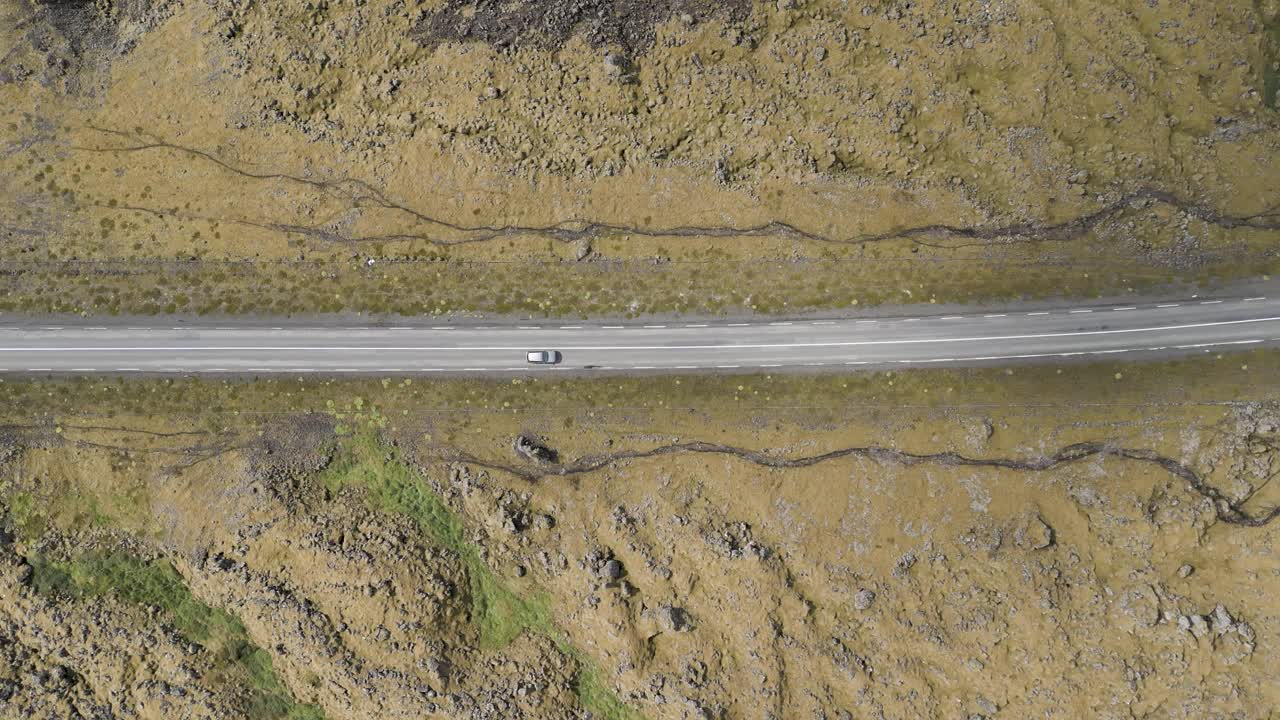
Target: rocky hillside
385 554
726 157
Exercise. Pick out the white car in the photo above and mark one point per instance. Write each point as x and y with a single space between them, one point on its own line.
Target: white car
543 357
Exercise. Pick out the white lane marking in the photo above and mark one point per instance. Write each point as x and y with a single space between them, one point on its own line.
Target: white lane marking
953 317
994 316
442 327
642 367
780 323
850 343
728 367
474 369
40 370
815 364
51 328
401 327
686 367
613 327
739 325
772 365
1210 302
823 322
1169 305
1122 309
699 325
1254 299
99 327
1037 313
1216 344
83 370
856 362
1077 312
654 327
346 370
911 320
528 327
274 328
570 327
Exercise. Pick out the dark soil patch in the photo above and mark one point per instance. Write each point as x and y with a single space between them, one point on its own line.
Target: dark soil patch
79 22
548 24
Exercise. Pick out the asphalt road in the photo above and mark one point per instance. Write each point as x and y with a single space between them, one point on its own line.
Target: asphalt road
1139 330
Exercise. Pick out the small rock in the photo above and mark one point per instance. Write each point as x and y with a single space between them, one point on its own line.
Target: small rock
1222 620
673 619
722 171
1039 534
904 564
863 599
819 54
1199 627
612 570
1185 571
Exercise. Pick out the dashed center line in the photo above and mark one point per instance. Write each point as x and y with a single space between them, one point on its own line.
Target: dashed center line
1077 312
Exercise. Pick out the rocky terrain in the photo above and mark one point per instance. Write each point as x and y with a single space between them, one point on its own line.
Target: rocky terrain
726 157
385 556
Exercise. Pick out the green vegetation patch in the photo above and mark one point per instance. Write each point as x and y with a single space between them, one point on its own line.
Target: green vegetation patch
500 614
156 583
1270 54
